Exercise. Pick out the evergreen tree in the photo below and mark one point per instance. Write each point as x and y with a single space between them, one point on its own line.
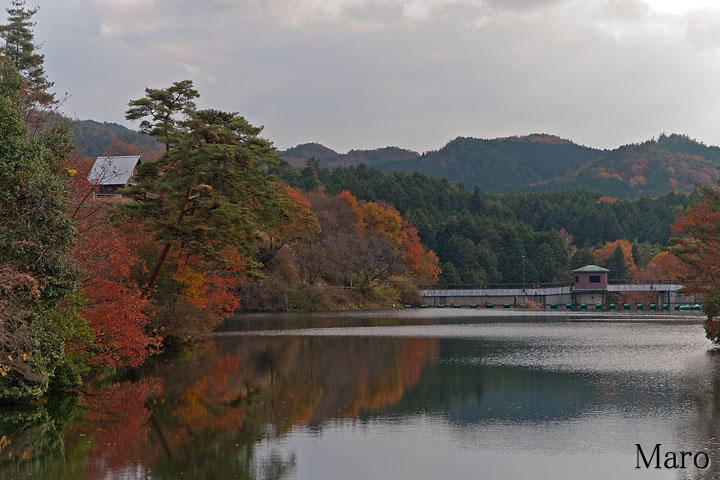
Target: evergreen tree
543 260
21 51
37 280
208 195
617 265
163 111
449 275
582 257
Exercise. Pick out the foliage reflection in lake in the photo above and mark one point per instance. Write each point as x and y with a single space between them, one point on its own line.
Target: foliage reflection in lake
388 397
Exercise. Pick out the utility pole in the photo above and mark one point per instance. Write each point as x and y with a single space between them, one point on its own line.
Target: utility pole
523 263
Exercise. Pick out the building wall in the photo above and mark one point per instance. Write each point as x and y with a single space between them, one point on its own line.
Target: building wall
582 281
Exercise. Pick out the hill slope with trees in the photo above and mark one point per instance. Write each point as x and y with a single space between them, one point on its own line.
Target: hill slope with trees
540 162
480 237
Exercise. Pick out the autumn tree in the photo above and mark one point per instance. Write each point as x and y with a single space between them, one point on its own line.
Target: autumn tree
423 264
664 266
120 148
297 223
106 254
697 244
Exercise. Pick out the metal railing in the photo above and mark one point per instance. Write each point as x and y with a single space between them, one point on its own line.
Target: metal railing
484 286
662 281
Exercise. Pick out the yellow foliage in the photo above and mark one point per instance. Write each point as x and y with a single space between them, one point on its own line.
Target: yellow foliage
194 398
193 284
4 442
385 221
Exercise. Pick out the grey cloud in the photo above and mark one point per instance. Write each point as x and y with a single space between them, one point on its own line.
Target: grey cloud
703 28
629 10
372 77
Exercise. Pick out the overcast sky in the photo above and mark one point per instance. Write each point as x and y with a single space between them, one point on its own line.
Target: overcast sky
410 73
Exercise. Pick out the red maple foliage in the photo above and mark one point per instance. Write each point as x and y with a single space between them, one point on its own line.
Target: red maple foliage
118 418
115 310
423 263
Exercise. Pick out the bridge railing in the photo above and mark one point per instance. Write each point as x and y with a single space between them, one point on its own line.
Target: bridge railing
477 286
662 281
481 286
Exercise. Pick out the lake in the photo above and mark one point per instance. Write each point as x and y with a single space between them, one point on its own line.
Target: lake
404 394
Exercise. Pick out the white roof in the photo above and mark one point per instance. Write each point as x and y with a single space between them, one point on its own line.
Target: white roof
590 269
113 170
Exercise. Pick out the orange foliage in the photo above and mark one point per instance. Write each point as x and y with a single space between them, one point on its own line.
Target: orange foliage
115 308
208 294
605 199
351 203
384 221
699 247
120 148
422 263
387 222
301 222
665 266
603 173
637 180
605 252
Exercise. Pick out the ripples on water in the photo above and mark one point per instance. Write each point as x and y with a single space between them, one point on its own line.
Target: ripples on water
556 397
410 394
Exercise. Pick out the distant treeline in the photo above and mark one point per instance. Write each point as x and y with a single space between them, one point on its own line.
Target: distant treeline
481 237
541 162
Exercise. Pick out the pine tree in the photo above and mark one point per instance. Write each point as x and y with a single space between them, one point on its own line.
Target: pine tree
21 51
582 257
164 111
617 265
208 195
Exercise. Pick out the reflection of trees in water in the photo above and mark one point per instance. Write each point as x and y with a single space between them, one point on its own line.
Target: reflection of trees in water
33 443
202 413
311 379
701 432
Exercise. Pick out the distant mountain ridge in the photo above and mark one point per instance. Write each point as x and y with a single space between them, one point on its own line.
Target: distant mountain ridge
297 156
91 138
540 162
536 162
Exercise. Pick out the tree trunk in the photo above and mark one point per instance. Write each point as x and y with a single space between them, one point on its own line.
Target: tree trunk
163 255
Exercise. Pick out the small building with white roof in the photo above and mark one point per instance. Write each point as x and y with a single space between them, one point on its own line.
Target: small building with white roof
110 174
590 277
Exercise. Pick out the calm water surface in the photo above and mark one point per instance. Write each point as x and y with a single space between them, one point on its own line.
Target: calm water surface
412 394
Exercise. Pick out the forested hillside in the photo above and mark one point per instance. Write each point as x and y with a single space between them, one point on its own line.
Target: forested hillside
652 168
481 237
92 139
327 157
533 163
538 162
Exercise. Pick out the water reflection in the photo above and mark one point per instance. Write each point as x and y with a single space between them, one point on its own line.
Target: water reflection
426 396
